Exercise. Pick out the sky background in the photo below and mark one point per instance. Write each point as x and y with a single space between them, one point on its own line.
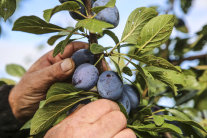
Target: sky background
23 48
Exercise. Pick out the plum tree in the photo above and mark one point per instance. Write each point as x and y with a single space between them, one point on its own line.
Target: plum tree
109 15
110 85
154 69
131 92
125 101
85 76
83 56
74 15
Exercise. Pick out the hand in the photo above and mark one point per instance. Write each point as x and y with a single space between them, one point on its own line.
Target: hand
99 119
25 96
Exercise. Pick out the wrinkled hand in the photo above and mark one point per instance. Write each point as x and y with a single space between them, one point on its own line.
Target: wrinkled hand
25 96
99 119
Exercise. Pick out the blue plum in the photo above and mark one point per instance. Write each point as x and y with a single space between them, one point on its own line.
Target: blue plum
131 92
110 85
83 56
85 76
109 15
125 101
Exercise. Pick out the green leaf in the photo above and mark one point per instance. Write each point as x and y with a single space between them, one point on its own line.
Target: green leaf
110 4
45 117
69 5
156 32
117 68
155 61
8 81
159 120
190 131
127 71
161 76
61 88
26 125
185 5
179 114
136 21
201 101
112 35
118 60
60 97
35 25
63 33
141 134
164 128
188 122
15 70
184 81
147 77
7 8
60 118
93 25
60 47
42 103
53 39
123 110
98 49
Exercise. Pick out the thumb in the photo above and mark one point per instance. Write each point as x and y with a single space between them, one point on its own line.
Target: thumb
56 72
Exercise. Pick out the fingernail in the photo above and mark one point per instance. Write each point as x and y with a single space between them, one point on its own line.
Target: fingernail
66 65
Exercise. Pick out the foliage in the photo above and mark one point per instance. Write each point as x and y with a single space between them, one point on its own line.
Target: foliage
155 74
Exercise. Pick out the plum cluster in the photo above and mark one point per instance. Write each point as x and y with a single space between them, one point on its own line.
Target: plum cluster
109 84
109 15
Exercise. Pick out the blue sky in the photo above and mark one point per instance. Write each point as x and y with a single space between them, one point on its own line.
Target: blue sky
21 48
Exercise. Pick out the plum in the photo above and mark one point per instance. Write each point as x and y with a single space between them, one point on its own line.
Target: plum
110 85
109 15
131 92
125 101
85 76
83 56
74 15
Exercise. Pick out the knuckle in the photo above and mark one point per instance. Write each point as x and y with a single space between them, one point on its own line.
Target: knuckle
131 133
119 117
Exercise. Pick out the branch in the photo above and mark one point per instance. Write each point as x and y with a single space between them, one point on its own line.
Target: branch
178 62
92 36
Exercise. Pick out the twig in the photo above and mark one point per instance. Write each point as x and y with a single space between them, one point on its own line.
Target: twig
178 62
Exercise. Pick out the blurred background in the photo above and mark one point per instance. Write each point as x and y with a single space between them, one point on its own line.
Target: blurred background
24 48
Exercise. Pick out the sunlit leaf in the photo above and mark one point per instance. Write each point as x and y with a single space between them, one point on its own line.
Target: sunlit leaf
136 21
93 25
156 32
